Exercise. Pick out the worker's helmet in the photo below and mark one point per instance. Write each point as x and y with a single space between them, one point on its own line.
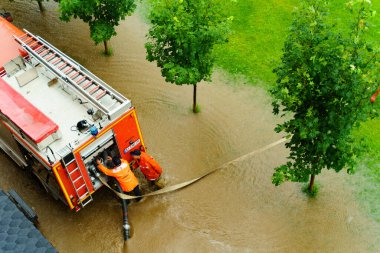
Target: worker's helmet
136 152
116 161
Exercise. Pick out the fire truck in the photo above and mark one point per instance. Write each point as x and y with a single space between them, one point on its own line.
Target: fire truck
56 117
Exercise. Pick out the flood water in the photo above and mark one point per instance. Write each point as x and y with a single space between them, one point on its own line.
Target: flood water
236 209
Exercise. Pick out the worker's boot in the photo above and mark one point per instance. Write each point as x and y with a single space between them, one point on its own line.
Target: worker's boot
159 184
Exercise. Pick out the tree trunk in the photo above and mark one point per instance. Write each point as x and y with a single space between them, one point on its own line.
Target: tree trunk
311 184
195 99
106 47
40 5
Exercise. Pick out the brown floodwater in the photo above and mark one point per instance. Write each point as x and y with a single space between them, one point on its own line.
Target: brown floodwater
236 209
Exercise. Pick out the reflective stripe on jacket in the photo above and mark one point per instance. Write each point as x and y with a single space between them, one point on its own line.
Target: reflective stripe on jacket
123 175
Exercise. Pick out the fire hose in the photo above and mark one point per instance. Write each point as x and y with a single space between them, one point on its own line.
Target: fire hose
124 204
176 187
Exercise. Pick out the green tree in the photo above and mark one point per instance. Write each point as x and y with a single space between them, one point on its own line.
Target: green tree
182 37
324 83
101 15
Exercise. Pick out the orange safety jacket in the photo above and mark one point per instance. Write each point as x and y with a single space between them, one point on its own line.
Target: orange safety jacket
149 167
123 175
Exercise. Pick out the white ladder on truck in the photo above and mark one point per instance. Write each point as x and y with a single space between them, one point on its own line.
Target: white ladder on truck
98 93
86 197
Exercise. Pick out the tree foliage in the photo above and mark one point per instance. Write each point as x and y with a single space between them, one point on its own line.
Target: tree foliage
101 15
182 37
324 83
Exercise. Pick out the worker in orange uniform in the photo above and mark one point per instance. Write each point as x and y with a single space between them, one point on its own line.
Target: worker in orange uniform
123 174
149 167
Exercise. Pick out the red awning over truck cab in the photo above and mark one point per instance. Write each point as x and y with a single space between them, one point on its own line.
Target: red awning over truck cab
35 124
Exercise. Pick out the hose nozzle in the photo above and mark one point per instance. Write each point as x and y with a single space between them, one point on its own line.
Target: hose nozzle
127 231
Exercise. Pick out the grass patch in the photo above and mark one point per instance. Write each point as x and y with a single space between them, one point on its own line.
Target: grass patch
258 33
313 193
109 53
366 181
366 186
197 109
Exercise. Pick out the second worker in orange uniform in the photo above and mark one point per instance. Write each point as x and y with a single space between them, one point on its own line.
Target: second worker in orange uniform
149 167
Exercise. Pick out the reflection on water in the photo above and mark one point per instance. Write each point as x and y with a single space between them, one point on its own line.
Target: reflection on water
234 210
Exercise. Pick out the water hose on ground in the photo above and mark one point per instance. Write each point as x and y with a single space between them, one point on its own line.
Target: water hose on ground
189 182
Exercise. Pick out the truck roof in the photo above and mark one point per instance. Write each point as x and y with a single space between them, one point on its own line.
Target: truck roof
54 99
34 123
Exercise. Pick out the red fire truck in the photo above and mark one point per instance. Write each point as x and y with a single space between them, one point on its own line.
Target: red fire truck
56 116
